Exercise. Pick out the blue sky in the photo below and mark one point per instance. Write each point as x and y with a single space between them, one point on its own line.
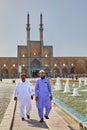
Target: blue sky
65 25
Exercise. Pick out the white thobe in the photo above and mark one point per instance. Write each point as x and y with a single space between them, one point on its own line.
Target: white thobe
23 93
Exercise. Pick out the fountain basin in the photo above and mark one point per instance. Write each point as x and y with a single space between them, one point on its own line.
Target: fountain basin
78 117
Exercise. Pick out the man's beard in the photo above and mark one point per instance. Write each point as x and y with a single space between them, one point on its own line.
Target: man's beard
42 77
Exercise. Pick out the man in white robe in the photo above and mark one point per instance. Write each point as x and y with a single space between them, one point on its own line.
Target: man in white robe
23 93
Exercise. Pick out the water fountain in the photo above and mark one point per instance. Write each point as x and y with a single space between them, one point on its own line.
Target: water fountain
85 81
75 92
58 85
73 85
80 82
67 88
63 83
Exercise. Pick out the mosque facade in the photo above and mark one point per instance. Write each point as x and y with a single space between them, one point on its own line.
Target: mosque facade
36 55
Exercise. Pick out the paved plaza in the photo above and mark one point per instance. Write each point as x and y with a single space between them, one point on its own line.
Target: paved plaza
55 122
6 92
7 105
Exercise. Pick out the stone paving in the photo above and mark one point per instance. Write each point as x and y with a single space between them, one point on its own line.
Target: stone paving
54 123
6 92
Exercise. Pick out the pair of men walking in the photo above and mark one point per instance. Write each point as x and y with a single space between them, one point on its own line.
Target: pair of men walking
43 96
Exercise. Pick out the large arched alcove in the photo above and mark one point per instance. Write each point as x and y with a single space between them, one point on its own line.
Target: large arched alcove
35 67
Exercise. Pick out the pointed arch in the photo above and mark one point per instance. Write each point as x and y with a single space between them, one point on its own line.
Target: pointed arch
56 71
35 64
14 72
72 71
65 70
35 67
47 71
4 72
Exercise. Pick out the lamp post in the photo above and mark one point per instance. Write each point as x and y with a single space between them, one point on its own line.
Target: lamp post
54 73
19 70
51 73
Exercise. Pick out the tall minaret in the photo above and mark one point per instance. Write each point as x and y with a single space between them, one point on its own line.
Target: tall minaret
28 28
41 28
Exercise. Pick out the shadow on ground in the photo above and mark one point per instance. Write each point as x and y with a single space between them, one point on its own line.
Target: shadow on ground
36 123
